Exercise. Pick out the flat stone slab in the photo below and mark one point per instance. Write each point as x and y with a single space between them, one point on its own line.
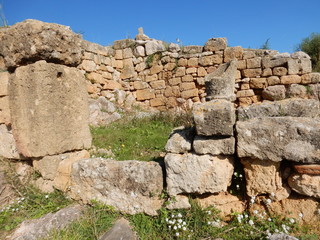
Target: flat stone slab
198 174
129 186
278 138
214 145
49 109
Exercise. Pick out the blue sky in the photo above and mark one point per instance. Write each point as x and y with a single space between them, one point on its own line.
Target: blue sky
245 23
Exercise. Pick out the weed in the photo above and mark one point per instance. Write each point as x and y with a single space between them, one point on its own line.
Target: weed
153 58
309 90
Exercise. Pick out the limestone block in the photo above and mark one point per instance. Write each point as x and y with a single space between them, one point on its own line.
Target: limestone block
242 64
231 53
159 84
251 73
258 83
145 94
179 202
189 93
289 107
280 71
266 72
290 79
121 229
293 66
191 70
158 101
119 54
174 81
191 49
128 69
187 86
187 78
220 83
278 138
245 93
151 78
129 186
174 47
215 117
254 62
213 173
306 66
156 69
215 44
305 184
247 54
49 109
154 46
225 202
5 116
296 90
4 81
273 93
210 60
273 80
310 78
193 62
181 71
180 140
182 62
111 85
214 145
275 62
127 53
122 44
8 148
139 51
201 72
140 85
262 177
170 66
32 40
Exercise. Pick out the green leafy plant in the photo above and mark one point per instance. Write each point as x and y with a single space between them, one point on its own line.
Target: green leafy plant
311 45
153 59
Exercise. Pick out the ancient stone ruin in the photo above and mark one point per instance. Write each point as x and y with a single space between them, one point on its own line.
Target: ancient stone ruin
258 109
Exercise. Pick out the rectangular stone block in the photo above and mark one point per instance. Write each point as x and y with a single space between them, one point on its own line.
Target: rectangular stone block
145 94
190 93
251 73
160 84
187 86
4 81
254 62
290 79
49 109
8 148
258 83
216 117
5 116
214 145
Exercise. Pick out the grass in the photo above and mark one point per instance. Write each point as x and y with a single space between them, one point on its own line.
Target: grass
138 138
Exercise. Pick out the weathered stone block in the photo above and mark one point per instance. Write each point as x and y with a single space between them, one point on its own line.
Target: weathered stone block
4 81
122 44
5 116
251 73
310 78
213 174
214 145
189 93
305 184
8 148
273 93
145 94
180 140
32 40
280 71
154 46
129 186
273 80
290 79
293 66
49 109
245 93
258 83
156 102
279 138
191 49
306 66
254 62
187 86
215 44
296 90
215 117
160 84
231 53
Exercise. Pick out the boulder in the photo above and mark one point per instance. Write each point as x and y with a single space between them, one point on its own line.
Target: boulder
278 138
120 230
289 107
305 184
49 109
31 40
42 227
214 145
220 83
216 117
8 148
129 186
263 177
180 140
191 173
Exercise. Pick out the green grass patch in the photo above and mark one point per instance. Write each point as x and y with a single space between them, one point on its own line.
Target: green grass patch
138 138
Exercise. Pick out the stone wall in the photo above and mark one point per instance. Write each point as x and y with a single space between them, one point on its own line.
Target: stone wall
166 76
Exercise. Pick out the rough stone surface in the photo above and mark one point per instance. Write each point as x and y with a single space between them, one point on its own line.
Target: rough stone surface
40 228
8 148
214 145
32 40
296 90
274 93
225 202
220 83
102 112
311 169
49 109
305 184
213 174
179 202
263 177
121 230
281 236
180 140
4 81
5 115
129 186
288 107
215 117
154 46
215 44
278 138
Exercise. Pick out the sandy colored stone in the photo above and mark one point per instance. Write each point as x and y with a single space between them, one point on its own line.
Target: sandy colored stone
181 71
156 69
174 81
129 186
215 44
88 65
191 49
127 53
111 85
160 84
201 72
32 40
180 140
310 78
128 69
213 173
279 71
121 230
187 86
179 202
297 91
214 145
8 148
4 81
245 93
262 177
290 79
216 117
305 184
242 64
311 169
273 80
189 93
266 72
187 78
145 94
151 78
258 83
156 102
251 73
254 62
49 109
226 203
274 93
5 115
231 53
122 44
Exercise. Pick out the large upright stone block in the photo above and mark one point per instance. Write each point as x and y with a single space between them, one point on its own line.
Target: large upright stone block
49 109
278 138
215 117
32 40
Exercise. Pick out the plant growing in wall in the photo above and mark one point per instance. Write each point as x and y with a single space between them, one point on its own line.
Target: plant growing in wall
153 59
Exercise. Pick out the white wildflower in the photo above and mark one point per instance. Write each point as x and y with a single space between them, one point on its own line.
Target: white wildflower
184 228
179 215
175 227
251 222
300 215
268 201
291 220
177 234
